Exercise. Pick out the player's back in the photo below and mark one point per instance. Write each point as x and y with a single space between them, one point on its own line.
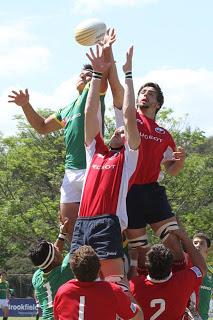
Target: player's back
90 300
164 299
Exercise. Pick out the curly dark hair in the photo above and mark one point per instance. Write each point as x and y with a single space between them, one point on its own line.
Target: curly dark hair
85 264
159 261
160 97
39 253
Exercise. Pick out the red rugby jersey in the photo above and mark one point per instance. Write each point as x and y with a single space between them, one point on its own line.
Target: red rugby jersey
106 182
98 300
157 145
165 299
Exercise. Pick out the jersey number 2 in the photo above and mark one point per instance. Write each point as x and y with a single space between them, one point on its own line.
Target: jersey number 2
153 304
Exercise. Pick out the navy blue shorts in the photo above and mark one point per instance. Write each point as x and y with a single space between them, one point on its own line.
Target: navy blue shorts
147 204
102 233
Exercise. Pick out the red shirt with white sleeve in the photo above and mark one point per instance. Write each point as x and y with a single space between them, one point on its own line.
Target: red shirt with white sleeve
106 181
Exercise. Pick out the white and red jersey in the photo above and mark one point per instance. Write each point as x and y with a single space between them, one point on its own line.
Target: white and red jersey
165 299
106 181
98 300
158 146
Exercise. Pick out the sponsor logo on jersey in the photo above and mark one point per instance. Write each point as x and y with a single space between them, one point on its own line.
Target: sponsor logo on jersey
77 115
206 288
150 137
133 307
160 130
197 271
103 167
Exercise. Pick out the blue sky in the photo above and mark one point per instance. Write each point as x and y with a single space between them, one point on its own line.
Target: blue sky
172 40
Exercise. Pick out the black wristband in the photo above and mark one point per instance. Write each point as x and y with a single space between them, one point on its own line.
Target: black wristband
128 75
97 75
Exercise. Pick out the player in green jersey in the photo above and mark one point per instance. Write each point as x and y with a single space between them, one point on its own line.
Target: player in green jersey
53 270
202 242
4 295
71 119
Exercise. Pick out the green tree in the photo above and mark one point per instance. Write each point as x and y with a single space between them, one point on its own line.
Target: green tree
31 169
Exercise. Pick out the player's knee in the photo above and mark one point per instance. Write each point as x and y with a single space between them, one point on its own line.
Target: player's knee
163 231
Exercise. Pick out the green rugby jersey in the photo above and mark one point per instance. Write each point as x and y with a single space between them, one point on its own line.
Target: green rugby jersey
47 284
205 293
4 286
71 118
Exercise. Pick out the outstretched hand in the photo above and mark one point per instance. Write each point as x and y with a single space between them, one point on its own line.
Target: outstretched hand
65 226
128 64
109 39
97 60
20 98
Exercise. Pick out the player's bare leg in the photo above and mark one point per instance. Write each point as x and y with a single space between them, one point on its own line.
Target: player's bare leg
70 211
137 247
112 267
5 311
112 270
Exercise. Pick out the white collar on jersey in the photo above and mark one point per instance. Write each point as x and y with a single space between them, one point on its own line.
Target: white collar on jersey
159 281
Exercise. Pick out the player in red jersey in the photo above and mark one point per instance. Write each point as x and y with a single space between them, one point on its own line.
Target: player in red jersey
102 214
86 298
163 295
146 200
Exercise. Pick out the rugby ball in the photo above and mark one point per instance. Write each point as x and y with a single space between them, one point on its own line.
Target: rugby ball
90 32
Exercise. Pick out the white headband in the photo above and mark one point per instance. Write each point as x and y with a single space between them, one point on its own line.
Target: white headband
50 257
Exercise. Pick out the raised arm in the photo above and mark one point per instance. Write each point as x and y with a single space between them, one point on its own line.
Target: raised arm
64 233
114 82
92 104
40 124
106 44
129 110
195 256
174 166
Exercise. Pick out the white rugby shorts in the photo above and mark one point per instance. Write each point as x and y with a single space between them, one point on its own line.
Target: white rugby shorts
72 185
4 303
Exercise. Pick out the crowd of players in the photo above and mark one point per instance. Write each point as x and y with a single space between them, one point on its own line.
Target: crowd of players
117 187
